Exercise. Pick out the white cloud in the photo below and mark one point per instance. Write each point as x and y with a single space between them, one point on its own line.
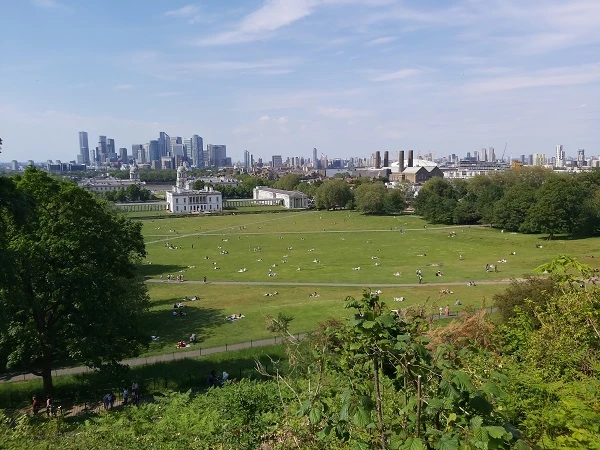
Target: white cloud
565 76
184 12
50 4
398 75
264 118
271 16
283 120
381 40
46 3
343 113
191 13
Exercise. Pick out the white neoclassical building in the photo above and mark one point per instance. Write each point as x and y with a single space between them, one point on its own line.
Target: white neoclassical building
104 185
180 199
290 199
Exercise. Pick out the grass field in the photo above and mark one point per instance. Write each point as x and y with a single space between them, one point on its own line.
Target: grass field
338 241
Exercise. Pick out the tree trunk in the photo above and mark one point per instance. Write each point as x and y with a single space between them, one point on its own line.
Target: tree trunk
378 401
47 377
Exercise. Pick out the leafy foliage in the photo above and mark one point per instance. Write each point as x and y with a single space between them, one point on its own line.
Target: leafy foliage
70 290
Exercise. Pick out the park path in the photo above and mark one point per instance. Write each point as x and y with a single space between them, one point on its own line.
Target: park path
165 357
289 283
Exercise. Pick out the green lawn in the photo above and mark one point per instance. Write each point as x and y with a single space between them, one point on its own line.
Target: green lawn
206 317
339 241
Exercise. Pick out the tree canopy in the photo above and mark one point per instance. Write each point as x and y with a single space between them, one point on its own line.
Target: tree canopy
69 286
532 200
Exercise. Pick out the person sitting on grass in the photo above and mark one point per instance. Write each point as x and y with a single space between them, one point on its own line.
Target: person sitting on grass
193 339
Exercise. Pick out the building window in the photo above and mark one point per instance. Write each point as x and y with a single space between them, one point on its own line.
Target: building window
176 200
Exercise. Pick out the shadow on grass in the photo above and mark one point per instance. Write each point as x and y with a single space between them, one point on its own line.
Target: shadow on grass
80 393
173 328
152 270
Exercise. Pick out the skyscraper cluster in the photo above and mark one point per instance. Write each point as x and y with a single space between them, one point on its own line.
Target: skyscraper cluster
162 153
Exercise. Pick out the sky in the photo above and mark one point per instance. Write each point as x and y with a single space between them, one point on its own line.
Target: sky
283 76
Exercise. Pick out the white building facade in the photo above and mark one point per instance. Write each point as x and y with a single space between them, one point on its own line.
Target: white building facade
290 199
104 185
180 199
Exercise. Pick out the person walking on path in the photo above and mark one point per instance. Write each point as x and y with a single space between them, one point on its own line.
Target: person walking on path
35 405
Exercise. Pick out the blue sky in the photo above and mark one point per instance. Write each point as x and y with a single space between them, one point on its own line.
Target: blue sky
283 76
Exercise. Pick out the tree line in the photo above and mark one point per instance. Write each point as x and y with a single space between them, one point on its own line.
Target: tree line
132 193
533 200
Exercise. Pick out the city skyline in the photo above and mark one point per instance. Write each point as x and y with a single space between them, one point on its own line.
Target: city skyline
273 77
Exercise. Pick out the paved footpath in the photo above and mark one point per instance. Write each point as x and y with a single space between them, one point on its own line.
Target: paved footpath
179 354
373 285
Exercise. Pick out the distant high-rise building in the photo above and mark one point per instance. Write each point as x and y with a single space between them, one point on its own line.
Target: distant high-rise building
539 159
14 165
197 151
217 155
101 148
276 161
491 154
174 141
178 150
484 154
187 147
110 146
559 159
123 154
84 148
135 151
581 157
315 162
164 143
153 151
246 159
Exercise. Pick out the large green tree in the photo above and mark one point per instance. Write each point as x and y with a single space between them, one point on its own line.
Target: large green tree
370 198
288 182
332 194
561 207
69 286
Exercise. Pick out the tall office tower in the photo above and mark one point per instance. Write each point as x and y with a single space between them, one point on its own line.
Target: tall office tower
110 146
153 151
314 159
123 154
101 148
217 154
178 150
475 155
559 160
173 141
580 157
84 148
523 159
164 143
246 159
484 154
539 159
135 151
491 154
187 148
142 155
276 161
14 165
197 151
530 160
